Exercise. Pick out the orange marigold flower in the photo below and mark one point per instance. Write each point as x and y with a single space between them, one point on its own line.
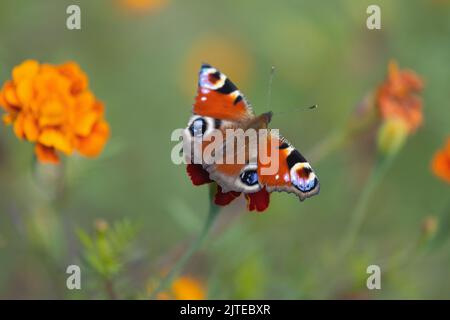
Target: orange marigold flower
53 107
441 163
184 288
398 96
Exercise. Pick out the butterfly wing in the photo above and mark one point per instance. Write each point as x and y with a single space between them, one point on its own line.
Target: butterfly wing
293 173
237 168
219 105
218 98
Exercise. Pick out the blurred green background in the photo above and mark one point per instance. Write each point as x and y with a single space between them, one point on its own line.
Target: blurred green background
143 65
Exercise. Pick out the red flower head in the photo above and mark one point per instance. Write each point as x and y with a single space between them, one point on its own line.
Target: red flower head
398 97
258 201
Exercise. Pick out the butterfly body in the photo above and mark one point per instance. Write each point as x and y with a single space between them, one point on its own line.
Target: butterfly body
220 108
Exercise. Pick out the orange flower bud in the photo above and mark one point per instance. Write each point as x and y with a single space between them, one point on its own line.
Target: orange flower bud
391 136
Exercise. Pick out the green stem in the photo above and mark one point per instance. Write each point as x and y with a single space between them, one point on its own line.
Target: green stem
109 288
360 210
53 250
176 270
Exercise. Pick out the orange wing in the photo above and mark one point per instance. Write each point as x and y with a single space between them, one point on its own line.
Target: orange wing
218 97
291 172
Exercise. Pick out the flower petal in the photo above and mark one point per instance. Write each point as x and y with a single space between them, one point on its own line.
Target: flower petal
398 96
441 163
197 174
79 80
46 154
258 201
26 70
86 116
52 113
188 288
25 92
10 94
55 138
85 122
30 128
8 118
223 199
18 126
93 144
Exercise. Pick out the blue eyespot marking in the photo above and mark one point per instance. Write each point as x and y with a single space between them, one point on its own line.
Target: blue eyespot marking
303 178
198 127
249 177
305 185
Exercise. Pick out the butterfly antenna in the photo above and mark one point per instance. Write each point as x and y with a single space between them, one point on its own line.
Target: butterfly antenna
315 106
269 92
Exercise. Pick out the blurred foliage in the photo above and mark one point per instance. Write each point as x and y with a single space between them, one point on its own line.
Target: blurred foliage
106 251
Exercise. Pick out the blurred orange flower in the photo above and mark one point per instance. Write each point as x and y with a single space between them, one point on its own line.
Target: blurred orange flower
441 163
53 107
184 288
143 5
398 97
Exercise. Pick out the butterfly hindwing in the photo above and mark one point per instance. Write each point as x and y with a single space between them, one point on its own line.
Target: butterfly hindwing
294 173
239 176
